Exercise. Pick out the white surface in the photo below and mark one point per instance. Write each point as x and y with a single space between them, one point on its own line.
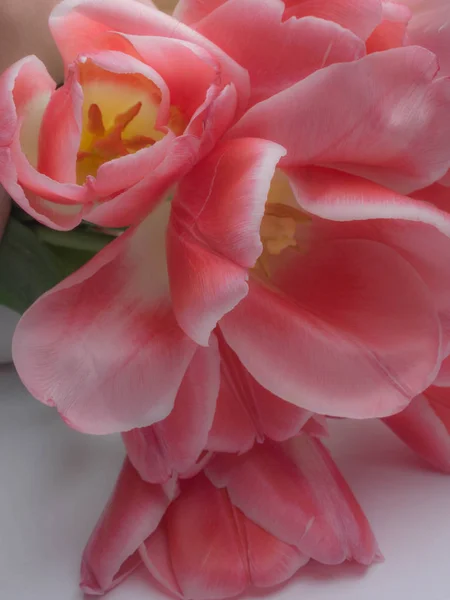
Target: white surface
55 481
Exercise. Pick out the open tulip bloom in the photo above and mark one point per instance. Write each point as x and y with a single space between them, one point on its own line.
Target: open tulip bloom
276 175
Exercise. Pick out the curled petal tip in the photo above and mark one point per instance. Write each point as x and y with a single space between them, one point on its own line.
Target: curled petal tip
378 558
88 582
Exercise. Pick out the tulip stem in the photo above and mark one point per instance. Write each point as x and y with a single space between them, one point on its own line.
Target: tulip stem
76 240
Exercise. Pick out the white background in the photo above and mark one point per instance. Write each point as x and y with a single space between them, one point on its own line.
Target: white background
54 483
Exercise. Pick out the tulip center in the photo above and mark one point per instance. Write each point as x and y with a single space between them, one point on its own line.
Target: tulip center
119 117
284 226
109 143
278 228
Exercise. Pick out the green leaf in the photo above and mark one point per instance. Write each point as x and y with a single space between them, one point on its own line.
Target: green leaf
70 259
77 239
27 267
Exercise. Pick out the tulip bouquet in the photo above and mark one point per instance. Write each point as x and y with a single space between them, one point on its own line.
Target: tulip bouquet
231 224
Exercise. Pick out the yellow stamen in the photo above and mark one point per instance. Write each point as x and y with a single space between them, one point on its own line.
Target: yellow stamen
278 227
109 144
95 121
125 118
120 112
138 142
278 232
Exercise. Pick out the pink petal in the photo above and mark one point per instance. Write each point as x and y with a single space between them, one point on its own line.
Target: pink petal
174 444
293 491
391 32
24 83
267 560
155 554
60 133
78 26
420 243
234 428
338 196
270 561
429 28
250 32
342 509
190 11
417 230
131 515
443 377
204 543
316 426
334 342
150 173
187 69
424 426
359 17
334 118
25 92
246 412
213 235
55 214
103 346
220 109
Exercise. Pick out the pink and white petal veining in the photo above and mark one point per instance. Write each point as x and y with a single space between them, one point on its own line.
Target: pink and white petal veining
336 343
370 130
359 17
429 27
130 517
294 491
158 169
173 445
204 543
155 554
25 92
353 207
270 561
246 412
213 235
107 333
187 69
60 132
191 11
78 25
277 54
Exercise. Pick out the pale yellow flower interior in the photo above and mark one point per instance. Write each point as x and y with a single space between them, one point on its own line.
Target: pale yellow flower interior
119 116
283 226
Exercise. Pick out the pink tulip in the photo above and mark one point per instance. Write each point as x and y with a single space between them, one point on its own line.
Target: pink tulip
314 326
297 291
249 520
145 97
70 154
